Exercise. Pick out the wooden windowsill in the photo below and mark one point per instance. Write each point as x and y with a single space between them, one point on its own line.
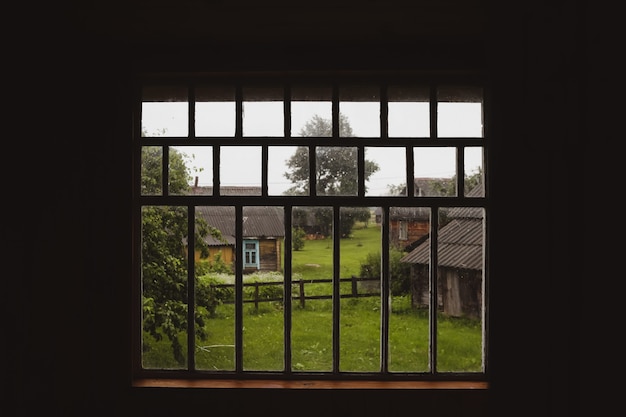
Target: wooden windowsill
308 384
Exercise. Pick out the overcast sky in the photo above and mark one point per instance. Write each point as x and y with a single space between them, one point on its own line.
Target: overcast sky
242 166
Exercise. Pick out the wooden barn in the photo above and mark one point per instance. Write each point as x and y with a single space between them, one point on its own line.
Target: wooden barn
263 234
406 224
460 264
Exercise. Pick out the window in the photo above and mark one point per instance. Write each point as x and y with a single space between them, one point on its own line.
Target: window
250 251
318 229
403 230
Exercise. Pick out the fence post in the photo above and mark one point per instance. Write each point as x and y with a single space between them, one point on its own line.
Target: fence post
256 296
302 293
355 292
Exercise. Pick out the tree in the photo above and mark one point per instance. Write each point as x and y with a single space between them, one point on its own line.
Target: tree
164 253
443 188
336 166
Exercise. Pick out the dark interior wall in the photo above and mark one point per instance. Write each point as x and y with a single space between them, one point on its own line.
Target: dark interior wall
68 309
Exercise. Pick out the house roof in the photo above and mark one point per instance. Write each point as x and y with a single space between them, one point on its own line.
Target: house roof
258 222
406 213
460 242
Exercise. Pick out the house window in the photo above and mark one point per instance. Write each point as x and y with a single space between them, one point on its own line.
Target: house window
403 230
265 211
251 253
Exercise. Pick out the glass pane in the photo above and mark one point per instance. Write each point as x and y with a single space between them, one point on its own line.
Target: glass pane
164 287
215 287
435 171
288 170
336 170
409 286
240 170
164 111
263 319
191 170
408 111
311 112
263 112
359 108
385 171
474 174
360 323
215 111
312 272
460 112
151 170
460 289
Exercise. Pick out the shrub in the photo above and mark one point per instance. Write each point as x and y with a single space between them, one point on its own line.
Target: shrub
298 238
399 272
209 296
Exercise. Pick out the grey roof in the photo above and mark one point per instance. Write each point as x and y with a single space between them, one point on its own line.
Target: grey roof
406 213
460 242
258 222
459 246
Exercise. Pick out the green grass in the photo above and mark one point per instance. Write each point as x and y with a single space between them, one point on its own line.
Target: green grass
459 340
315 260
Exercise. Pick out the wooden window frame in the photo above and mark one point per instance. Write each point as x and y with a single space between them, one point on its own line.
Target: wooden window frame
323 380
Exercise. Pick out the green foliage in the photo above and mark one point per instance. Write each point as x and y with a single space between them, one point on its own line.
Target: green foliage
322 218
336 172
210 295
399 272
298 236
164 255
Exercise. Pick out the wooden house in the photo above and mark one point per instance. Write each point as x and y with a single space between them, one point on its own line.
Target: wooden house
406 224
263 233
460 263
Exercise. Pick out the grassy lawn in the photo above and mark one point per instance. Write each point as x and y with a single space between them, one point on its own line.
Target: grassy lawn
315 260
459 340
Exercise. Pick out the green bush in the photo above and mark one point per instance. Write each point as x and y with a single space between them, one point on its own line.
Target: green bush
399 272
209 296
298 238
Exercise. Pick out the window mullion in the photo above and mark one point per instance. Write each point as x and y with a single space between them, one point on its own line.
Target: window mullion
460 170
433 112
335 112
264 169
238 288
385 291
287 287
287 111
216 171
191 288
192 112
238 112
165 172
410 172
433 293
361 171
336 287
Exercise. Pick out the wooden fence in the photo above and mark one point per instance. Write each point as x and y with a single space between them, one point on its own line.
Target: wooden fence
301 296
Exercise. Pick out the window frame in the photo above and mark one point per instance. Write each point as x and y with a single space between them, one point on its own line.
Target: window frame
256 264
287 379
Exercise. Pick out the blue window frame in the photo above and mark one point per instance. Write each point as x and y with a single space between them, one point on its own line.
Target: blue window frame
251 254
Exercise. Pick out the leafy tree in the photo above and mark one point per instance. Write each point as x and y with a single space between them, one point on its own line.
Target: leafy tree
164 254
443 188
336 172
298 238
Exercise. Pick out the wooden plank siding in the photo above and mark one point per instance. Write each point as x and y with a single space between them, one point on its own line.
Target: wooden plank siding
269 255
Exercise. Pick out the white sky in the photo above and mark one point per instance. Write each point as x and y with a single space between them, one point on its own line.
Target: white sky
242 166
